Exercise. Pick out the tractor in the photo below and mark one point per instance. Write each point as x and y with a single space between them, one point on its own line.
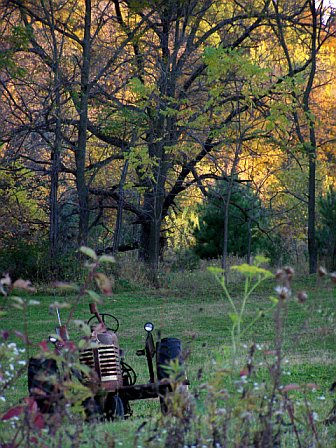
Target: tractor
112 382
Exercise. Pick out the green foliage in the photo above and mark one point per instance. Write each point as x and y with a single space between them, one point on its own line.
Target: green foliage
140 89
142 162
227 65
254 275
121 122
209 235
17 40
23 245
182 259
25 259
326 229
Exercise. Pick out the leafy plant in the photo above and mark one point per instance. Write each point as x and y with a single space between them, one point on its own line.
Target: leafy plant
253 406
59 388
254 275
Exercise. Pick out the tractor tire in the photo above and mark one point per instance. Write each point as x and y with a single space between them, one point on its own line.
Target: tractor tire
114 408
168 349
93 410
43 391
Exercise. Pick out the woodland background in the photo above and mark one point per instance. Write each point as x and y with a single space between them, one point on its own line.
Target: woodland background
174 129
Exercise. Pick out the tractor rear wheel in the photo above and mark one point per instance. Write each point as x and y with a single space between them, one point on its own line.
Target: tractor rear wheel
168 350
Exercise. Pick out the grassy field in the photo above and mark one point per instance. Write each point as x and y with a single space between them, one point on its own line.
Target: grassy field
192 307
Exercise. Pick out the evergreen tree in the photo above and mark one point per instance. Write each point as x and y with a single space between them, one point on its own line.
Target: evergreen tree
326 231
244 216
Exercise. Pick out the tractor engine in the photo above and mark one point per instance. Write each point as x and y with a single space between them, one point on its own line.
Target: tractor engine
103 357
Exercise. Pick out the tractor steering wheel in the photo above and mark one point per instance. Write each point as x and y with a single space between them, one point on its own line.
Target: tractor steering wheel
108 320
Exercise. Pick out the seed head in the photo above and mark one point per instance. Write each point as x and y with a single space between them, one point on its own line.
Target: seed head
289 271
333 277
283 292
302 296
280 274
322 272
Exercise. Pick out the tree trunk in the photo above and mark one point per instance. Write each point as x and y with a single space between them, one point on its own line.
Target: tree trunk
308 142
56 150
80 155
249 241
238 149
54 206
118 226
312 249
152 209
149 249
150 243
226 229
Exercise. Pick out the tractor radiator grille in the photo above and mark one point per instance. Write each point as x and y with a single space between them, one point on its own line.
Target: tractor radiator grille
86 357
109 363
105 361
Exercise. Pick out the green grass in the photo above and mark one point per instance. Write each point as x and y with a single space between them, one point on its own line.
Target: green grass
197 313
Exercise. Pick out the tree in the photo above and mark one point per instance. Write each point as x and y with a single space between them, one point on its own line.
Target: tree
317 30
59 117
175 128
162 97
244 219
326 234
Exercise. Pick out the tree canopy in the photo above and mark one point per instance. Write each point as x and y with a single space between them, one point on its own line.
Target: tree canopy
124 111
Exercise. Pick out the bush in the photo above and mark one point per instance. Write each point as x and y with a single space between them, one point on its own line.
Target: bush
32 260
184 259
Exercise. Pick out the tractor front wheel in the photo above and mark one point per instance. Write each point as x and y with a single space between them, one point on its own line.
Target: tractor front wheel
114 408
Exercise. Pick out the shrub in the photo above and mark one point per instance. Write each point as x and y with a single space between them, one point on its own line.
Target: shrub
183 259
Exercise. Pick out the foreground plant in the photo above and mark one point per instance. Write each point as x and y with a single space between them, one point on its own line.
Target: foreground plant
89 381
58 398
254 276
252 404
242 404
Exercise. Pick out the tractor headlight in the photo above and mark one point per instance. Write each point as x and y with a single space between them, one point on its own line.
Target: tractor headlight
52 339
149 327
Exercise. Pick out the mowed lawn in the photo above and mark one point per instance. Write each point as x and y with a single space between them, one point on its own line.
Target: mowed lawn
193 308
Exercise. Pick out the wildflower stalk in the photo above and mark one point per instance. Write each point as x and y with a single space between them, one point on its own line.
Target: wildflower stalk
254 276
248 290
284 277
